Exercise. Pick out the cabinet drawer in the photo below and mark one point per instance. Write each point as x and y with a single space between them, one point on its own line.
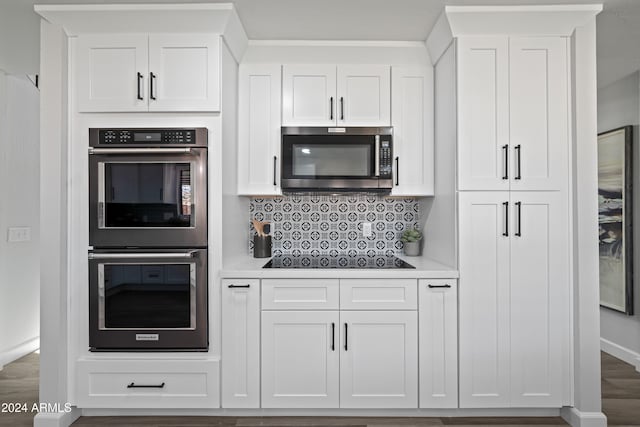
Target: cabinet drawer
148 384
296 294
378 294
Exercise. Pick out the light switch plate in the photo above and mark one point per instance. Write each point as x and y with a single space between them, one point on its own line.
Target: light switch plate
19 234
366 229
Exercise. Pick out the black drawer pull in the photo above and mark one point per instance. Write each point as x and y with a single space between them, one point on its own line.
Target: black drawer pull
333 336
439 286
139 91
134 385
346 337
239 286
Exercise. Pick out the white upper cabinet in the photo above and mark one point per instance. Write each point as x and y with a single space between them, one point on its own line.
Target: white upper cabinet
133 72
184 72
364 95
111 73
413 138
326 95
513 113
259 129
538 108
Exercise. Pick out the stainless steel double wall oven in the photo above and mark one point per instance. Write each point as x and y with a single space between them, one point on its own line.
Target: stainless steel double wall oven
148 239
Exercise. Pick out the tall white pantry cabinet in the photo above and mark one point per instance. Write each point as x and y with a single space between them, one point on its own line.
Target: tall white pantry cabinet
513 162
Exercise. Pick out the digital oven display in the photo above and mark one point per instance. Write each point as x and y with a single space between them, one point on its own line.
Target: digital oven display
147 137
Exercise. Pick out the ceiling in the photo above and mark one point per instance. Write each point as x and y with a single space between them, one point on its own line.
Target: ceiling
618 25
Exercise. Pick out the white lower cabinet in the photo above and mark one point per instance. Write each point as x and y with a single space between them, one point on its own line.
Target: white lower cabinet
379 359
241 343
300 359
147 383
514 293
438 341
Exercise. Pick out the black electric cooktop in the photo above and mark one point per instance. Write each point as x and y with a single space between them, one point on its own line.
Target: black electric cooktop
341 261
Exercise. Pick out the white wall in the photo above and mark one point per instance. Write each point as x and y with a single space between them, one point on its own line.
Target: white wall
440 227
19 207
619 105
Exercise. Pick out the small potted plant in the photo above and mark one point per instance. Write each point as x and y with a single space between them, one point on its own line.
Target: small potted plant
412 239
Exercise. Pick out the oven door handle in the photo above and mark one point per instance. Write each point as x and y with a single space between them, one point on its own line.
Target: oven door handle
377 156
129 255
93 150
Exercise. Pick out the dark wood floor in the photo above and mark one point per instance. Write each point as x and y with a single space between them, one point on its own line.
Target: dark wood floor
620 402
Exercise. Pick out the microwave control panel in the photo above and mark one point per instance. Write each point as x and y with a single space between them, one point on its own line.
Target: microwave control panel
385 159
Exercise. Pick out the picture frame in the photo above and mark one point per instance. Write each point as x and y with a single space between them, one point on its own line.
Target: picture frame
615 204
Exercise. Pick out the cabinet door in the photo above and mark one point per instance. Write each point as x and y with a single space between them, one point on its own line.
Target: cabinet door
484 299
300 359
309 95
184 72
364 95
259 129
483 113
412 120
539 113
438 343
539 297
241 343
112 72
379 359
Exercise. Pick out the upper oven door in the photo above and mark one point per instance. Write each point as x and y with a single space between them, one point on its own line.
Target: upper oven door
148 197
332 161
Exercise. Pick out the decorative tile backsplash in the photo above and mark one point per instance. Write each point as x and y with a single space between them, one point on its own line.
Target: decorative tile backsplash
332 224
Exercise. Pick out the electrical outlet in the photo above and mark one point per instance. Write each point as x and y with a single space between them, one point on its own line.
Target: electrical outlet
19 234
366 229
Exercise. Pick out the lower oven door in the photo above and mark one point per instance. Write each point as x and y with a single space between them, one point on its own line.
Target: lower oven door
152 300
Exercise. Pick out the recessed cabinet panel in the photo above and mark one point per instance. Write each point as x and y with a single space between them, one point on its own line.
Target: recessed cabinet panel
412 120
112 73
259 129
379 359
539 277
309 95
241 343
539 116
378 294
185 72
484 299
438 343
483 113
300 359
364 95
298 294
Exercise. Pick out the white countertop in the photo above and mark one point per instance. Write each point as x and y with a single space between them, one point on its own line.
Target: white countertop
248 267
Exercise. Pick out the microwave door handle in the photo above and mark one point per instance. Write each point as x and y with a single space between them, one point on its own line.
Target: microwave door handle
377 166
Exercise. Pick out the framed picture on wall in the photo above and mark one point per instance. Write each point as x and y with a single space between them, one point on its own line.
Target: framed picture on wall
615 214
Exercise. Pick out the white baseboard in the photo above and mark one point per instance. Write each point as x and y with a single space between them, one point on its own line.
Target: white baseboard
56 419
577 418
18 351
622 353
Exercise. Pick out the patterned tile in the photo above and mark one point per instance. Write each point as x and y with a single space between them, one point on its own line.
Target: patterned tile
332 224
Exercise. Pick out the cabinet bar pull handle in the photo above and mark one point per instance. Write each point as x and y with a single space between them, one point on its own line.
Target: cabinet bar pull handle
341 108
439 286
151 80
139 90
518 148
506 219
239 286
333 336
331 108
397 171
346 337
505 148
134 385
519 211
275 162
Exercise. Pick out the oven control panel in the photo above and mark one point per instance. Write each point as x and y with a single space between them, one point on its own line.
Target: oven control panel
147 136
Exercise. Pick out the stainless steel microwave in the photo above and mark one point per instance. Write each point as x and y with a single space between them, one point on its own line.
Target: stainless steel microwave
337 159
